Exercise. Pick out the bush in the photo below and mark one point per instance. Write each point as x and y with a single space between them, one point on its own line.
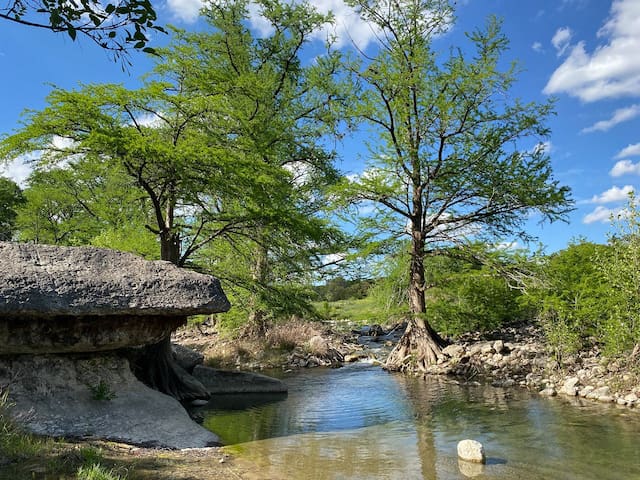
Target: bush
621 270
470 297
572 300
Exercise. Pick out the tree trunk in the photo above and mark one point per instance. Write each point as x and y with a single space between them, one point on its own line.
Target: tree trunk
170 246
420 346
154 365
257 316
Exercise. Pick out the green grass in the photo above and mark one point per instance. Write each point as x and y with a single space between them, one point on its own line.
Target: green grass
363 311
96 471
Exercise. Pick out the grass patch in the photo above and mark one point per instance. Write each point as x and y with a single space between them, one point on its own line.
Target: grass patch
356 311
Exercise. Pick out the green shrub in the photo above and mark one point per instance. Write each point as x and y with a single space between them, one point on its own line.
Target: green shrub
620 330
572 300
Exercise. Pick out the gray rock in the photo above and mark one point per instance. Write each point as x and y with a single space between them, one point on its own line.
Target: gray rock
548 392
586 390
51 281
84 299
63 396
498 346
471 451
226 381
570 387
186 357
453 350
595 394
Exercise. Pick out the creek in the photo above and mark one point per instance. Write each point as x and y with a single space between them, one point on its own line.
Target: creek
360 422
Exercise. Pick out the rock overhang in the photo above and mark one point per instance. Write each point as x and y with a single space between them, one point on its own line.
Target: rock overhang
82 299
52 281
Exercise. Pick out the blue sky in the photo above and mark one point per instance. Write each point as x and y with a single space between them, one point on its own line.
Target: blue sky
585 53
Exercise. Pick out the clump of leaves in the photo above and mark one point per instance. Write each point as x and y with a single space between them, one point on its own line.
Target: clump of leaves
102 391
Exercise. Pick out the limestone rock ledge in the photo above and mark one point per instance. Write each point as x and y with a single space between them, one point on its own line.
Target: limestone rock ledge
95 397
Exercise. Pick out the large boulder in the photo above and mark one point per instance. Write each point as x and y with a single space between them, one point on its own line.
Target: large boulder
85 299
228 381
71 321
95 397
49 281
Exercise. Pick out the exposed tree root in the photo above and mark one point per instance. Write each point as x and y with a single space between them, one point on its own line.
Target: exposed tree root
154 365
419 347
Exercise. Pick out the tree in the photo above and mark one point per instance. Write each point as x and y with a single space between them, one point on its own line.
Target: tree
451 164
215 141
10 199
116 26
278 112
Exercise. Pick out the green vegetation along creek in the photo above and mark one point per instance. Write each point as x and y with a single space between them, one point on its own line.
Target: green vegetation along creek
360 422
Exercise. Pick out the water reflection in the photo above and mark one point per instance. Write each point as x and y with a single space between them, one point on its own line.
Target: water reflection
362 423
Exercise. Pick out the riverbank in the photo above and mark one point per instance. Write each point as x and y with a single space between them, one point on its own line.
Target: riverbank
514 356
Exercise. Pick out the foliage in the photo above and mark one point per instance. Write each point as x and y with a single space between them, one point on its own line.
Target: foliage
11 198
455 162
621 270
463 293
117 26
469 297
359 311
73 204
339 288
15 444
573 299
102 391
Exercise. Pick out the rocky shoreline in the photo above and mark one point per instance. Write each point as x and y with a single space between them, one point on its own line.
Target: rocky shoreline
514 356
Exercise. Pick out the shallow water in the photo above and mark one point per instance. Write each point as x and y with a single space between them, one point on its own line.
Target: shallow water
359 422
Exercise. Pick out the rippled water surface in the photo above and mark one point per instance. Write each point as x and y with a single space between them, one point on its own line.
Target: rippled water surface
359 422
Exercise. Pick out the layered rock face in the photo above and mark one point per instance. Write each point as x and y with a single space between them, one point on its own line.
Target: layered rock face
83 299
76 309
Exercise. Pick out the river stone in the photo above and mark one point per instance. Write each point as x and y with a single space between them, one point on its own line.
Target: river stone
453 350
96 397
84 299
471 451
570 387
227 381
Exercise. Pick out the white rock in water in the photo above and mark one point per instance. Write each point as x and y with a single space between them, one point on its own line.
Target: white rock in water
471 451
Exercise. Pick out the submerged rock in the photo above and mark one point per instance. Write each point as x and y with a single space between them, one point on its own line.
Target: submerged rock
471 451
227 381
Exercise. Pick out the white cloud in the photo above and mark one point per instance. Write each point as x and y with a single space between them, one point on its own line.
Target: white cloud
619 116
185 10
537 47
613 69
348 26
629 151
561 40
18 170
546 147
625 167
614 194
601 214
